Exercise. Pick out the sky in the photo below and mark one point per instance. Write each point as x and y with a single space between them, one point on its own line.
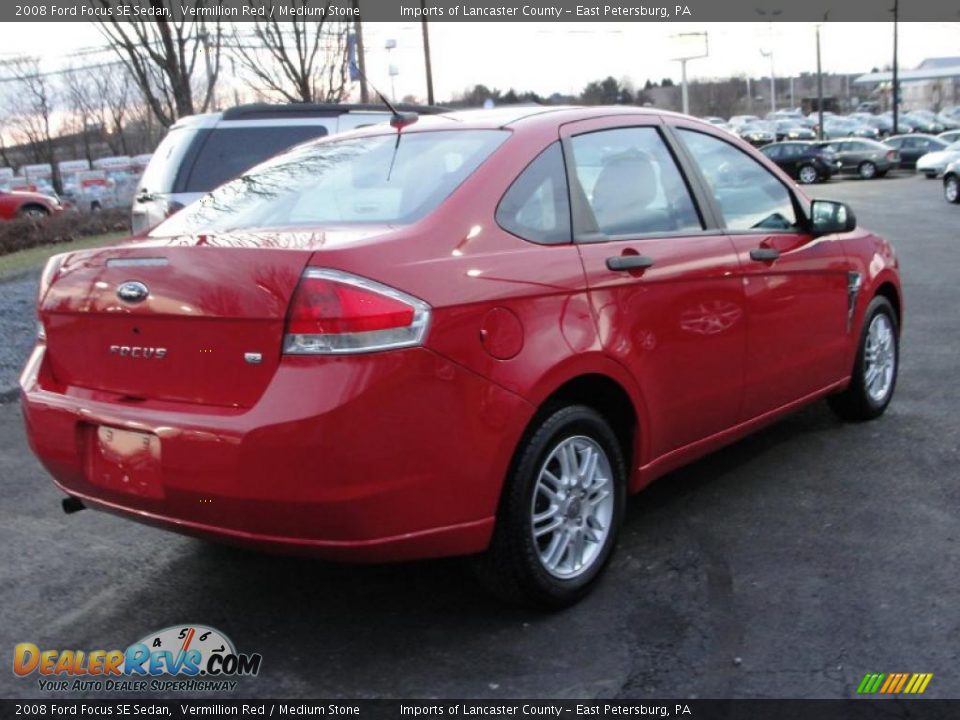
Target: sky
564 57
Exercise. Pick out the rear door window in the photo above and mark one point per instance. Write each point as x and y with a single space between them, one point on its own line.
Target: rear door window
631 183
230 151
161 171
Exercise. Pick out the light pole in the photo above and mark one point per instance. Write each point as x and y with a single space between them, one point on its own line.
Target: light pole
390 45
769 54
819 87
426 53
896 81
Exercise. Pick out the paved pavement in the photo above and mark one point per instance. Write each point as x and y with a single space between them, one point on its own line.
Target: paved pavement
789 564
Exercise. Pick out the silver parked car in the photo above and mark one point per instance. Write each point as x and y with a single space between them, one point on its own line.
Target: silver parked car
867 158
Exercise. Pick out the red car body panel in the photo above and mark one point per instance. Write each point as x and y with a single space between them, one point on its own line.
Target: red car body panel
403 454
13 201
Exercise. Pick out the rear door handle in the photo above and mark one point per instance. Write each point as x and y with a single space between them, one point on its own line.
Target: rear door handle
764 254
629 262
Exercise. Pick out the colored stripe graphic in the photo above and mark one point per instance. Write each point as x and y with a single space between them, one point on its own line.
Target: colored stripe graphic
894 683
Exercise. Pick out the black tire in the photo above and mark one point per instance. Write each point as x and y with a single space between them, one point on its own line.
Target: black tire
807 175
33 211
951 189
867 170
855 404
511 568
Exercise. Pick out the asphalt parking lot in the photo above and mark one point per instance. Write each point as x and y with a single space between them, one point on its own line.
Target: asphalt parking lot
787 565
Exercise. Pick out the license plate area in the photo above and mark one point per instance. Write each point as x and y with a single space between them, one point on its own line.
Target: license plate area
124 461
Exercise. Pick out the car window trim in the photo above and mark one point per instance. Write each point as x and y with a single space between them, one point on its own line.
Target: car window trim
798 207
581 212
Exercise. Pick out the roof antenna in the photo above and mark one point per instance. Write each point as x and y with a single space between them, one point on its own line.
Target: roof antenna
400 119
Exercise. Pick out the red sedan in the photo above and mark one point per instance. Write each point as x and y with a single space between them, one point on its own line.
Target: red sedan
469 335
15 203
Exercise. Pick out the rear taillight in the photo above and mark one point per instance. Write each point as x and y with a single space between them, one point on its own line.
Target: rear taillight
891 154
334 312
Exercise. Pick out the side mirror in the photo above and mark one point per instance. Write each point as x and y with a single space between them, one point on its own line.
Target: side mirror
828 217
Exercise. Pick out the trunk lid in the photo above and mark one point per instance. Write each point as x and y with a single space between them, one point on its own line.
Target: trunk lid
212 305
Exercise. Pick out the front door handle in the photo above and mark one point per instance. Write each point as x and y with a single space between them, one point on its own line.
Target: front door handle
629 262
764 254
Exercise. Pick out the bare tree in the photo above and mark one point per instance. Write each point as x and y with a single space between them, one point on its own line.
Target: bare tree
29 103
298 60
162 55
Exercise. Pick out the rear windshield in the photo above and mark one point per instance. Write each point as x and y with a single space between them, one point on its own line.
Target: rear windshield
162 169
395 178
229 151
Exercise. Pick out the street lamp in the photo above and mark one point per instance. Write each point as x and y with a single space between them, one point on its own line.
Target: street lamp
390 46
769 54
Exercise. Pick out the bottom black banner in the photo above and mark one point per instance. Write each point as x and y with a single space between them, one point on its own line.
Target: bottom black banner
699 709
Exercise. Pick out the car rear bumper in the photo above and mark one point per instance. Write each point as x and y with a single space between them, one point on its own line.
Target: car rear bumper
378 457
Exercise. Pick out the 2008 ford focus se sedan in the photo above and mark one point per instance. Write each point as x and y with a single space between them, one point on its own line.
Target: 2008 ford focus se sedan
467 334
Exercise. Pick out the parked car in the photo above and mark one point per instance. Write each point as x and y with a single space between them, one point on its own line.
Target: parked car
924 122
950 136
16 204
933 164
951 183
738 120
758 133
789 130
838 127
201 152
914 146
883 125
949 122
807 162
408 342
867 158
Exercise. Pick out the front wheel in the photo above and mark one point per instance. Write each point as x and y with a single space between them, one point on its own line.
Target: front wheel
875 368
867 170
951 189
560 512
808 175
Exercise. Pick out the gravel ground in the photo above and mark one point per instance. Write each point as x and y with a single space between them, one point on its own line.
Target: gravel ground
18 327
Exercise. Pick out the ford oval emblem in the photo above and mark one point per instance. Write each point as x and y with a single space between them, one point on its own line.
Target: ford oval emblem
133 292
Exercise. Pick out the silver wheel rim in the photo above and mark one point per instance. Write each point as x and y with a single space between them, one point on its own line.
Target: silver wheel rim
952 189
880 358
868 170
572 507
808 175
33 213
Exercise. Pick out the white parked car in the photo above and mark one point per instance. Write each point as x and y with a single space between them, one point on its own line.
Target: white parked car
934 163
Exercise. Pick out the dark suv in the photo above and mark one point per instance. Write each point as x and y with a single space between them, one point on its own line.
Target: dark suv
807 162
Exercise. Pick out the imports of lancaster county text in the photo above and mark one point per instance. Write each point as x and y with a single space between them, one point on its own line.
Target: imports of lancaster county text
546 11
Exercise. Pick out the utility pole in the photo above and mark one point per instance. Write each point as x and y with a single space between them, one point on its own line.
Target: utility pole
819 87
896 81
749 97
426 52
773 81
361 62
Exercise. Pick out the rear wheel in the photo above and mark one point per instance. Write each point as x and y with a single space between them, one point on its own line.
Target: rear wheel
560 512
875 368
951 188
808 174
867 170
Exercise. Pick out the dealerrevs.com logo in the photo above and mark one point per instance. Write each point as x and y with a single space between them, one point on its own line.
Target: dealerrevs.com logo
190 658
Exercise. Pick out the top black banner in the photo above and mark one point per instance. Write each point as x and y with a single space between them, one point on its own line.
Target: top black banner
483 10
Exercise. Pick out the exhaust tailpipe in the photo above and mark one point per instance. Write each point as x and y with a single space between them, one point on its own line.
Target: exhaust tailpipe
71 505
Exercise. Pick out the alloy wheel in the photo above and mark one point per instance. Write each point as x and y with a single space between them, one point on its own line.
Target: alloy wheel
808 175
951 190
572 507
880 358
